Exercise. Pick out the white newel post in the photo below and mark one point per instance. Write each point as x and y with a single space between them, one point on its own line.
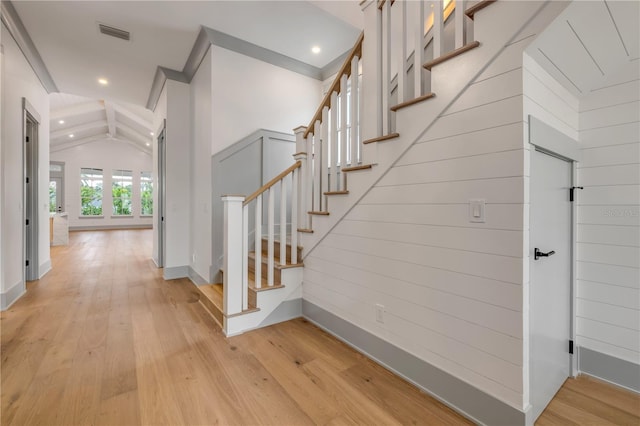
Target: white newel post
301 143
233 249
303 193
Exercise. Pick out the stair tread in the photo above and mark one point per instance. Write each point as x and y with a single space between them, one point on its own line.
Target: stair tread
360 167
214 294
471 11
277 241
382 138
305 230
412 101
264 285
317 213
336 193
451 55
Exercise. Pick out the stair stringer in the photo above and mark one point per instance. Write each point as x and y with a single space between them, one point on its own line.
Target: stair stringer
496 30
267 302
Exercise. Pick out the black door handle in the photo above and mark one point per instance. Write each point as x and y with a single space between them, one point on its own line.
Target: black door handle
538 254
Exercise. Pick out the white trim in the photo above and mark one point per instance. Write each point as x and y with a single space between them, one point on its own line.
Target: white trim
10 296
175 272
44 268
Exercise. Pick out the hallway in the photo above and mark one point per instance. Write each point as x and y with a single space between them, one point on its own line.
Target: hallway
103 339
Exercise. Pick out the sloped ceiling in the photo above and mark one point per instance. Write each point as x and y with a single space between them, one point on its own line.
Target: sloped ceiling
76 120
590 43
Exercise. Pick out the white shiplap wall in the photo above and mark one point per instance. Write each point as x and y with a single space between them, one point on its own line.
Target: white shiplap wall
452 289
608 248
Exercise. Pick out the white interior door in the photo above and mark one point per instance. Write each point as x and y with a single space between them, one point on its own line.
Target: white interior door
550 286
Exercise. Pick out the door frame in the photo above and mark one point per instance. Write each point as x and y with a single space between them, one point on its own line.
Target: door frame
550 141
59 175
30 245
160 210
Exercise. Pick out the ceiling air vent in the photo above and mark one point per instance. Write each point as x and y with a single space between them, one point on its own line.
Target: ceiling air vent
114 32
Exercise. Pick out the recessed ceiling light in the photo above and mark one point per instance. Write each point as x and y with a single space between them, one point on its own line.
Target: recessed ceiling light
148 144
103 81
61 121
71 135
151 133
315 49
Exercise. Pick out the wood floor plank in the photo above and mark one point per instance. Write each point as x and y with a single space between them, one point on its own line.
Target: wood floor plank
102 339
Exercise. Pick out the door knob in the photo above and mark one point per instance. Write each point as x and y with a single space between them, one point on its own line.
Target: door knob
538 254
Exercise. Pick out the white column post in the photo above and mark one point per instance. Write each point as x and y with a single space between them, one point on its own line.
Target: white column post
344 132
308 183
386 65
371 106
232 302
402 65
354 107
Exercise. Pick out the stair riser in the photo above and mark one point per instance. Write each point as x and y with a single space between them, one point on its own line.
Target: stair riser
276 247
276 272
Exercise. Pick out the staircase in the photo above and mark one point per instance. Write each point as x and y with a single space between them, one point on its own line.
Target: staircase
369 118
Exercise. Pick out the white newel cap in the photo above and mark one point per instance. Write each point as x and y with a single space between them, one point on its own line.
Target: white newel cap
233 198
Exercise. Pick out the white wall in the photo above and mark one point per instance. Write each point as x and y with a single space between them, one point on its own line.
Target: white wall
178 163
202 118
453 290
175 107
107 155
18 81
249 94
608 267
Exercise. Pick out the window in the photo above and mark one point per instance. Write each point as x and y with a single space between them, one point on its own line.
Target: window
53 188
91 192
121 186
146 194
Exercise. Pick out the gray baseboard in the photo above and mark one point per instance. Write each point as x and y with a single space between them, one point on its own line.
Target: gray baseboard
287 310
611 369
196 278
109 227
10 296
176 272
468 400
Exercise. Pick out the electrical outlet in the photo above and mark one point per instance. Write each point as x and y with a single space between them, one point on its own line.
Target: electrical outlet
380 313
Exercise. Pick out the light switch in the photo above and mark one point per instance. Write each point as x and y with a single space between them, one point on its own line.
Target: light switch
476 211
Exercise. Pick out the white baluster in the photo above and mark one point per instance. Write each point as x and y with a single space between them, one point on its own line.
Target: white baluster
354 138
318 162
245 257
295 194
380 75
386 67
344 133
258 242
333 143
418 54
308 184
325 164
283 222
271 237
460 21
232 278
301 182
402 65
438 29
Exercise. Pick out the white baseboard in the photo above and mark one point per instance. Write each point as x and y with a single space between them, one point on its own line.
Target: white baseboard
196 278
10 296
44 268
175 272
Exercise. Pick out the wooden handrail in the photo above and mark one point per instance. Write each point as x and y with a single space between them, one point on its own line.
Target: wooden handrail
335 86
272 182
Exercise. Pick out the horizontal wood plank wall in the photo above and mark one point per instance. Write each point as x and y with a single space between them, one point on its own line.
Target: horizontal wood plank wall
451 289
608 269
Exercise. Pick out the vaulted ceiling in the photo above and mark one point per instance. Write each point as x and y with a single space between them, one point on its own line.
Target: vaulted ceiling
77 120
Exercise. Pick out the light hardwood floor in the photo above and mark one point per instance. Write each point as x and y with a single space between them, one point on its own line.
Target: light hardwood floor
103 339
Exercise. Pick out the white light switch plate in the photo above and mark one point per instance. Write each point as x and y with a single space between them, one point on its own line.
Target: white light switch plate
476 211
